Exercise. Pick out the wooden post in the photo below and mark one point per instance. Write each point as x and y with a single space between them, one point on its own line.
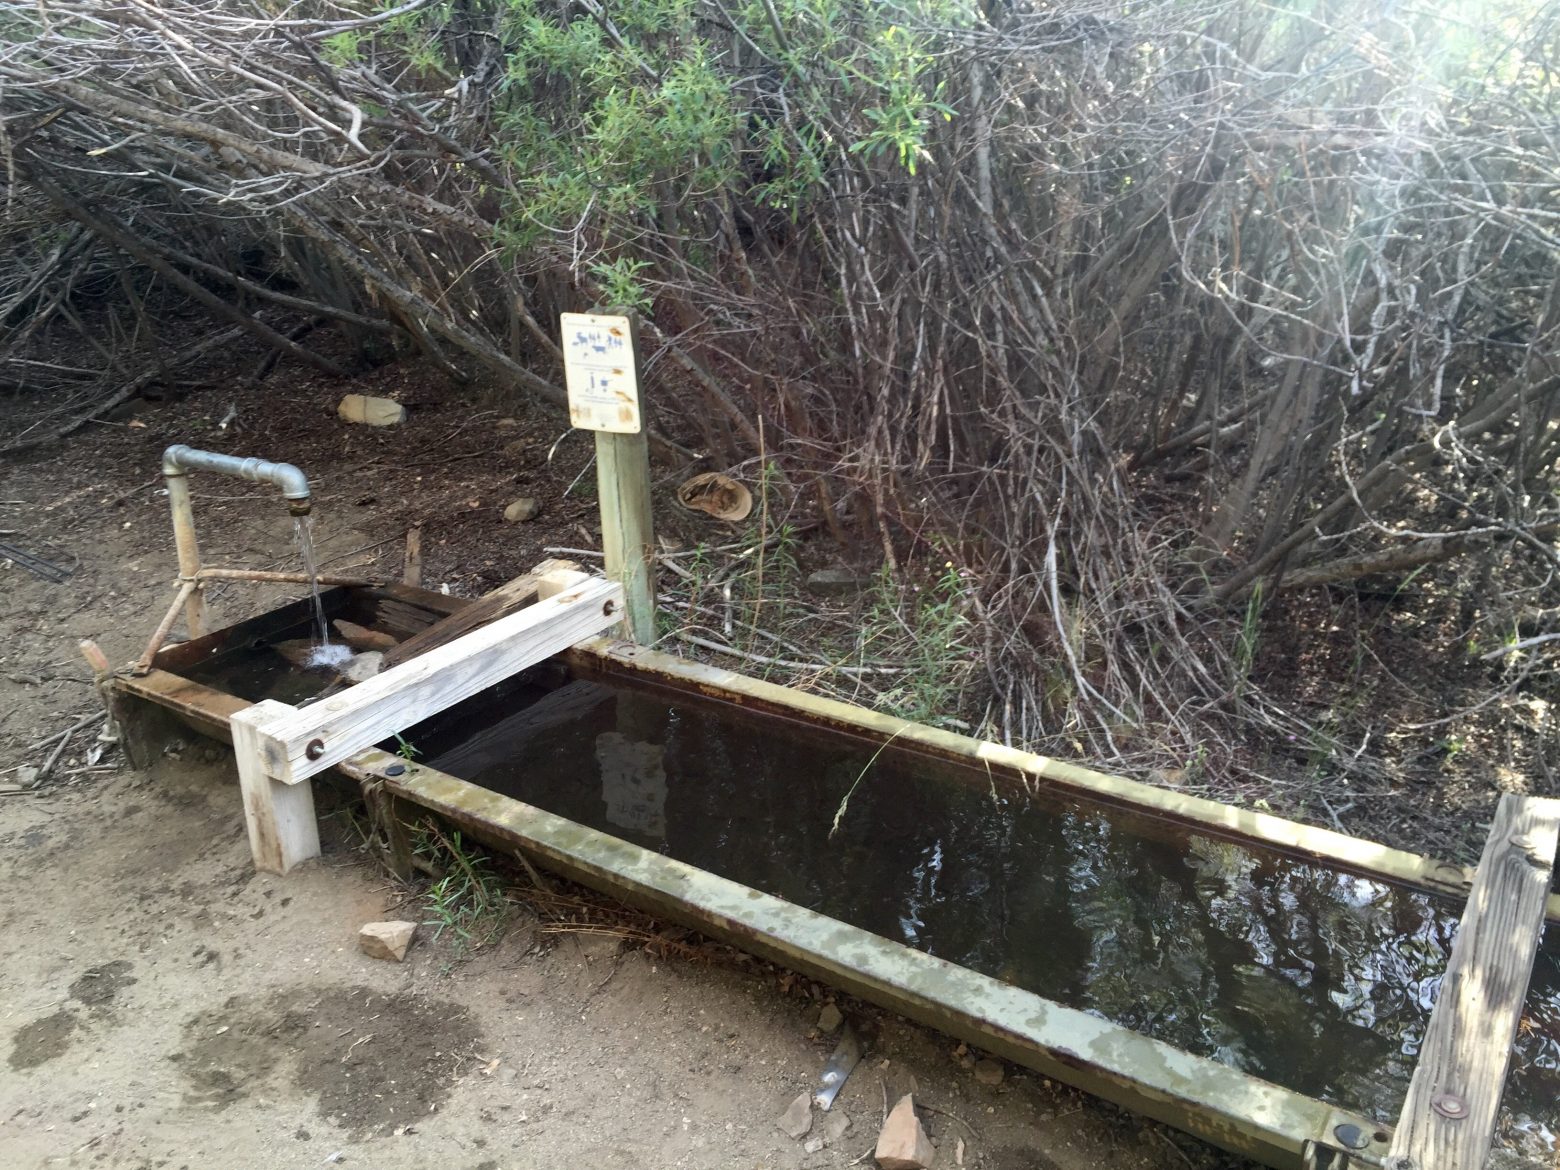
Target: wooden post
623 482
1448 1119
278 816
601 367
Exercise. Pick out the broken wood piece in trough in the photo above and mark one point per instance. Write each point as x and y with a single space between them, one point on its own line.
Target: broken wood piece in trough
363 638
506 599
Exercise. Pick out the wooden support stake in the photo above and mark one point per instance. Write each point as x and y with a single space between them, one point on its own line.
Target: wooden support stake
411 571
278 816
1448 1119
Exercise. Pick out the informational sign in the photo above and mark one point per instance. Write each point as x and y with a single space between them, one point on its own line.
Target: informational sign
599 370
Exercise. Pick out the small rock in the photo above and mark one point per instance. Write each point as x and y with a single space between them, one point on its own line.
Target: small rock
834 1126
516 448
363 666
507 424
523 509
830 1018
386 940
989 1072
902 1144
813 1145
834 583
27 775
797 1118
958 1152
374 412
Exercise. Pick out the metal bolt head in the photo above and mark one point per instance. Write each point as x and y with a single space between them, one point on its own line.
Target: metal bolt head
315 749
1351 1137
1449 1105
395 769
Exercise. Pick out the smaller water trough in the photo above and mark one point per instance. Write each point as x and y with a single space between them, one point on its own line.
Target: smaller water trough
1263 984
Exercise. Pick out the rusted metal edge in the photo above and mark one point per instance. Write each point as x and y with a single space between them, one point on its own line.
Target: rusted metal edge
204 708
1231 1109
1354 853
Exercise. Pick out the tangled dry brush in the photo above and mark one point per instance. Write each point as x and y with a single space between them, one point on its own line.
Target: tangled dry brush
1148 316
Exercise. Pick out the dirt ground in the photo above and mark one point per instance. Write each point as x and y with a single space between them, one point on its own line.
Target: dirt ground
161 1004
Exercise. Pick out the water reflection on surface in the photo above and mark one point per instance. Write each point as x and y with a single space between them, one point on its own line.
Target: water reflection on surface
1308 976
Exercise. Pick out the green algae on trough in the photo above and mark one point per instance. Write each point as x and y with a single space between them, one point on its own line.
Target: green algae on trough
1305 975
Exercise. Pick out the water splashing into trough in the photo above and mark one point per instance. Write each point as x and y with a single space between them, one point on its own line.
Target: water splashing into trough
325 653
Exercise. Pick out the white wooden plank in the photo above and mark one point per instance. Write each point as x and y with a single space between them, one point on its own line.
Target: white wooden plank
317 737
279 817
1448 1119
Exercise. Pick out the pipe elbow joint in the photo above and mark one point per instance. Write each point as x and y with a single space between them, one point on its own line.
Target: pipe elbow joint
172 460
294 485
180 458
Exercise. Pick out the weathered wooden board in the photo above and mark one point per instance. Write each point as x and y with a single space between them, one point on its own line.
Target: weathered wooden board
1448 1119
320 736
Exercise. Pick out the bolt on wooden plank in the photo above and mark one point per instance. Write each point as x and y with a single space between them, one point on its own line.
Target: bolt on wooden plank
1448 1119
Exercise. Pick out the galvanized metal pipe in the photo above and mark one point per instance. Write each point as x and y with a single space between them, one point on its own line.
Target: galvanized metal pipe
294 484
189 549
180 459
187 589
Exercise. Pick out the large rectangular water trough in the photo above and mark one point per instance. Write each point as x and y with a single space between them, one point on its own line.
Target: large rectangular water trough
1260 983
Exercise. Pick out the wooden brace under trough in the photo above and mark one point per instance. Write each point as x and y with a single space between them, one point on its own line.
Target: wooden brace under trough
278 747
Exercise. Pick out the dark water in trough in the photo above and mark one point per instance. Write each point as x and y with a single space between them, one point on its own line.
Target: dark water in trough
1297 972
1292 970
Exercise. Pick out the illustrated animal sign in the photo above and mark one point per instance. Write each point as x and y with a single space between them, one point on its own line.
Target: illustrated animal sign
600 372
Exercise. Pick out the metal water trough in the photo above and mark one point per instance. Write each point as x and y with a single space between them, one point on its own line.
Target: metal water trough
1226 1107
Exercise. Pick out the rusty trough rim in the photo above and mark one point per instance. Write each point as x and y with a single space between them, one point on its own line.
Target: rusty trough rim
1221 1105
1367 858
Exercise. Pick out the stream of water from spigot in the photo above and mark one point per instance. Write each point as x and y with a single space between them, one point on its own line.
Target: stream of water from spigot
325 653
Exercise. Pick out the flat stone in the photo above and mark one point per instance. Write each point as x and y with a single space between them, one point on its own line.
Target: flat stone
386 940
797 1118
834 1126
373 412
813 1145
902 1144
835 582
830 1018
363 666
523 509
989 1072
